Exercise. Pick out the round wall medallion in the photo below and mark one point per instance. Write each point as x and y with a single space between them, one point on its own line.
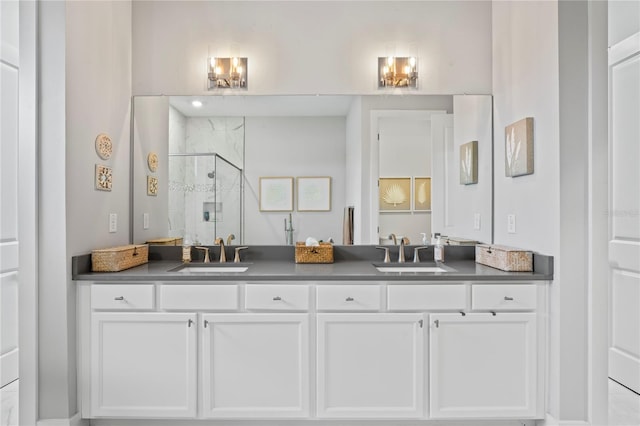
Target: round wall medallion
104 147
152 161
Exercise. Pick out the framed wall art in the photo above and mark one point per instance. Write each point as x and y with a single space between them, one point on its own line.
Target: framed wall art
104 177
152 185
313 193
394 194
276 194
469 163
518 151
422 193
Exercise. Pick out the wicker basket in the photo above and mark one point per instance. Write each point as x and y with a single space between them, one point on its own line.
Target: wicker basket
169 241
119 258
314 254
504 258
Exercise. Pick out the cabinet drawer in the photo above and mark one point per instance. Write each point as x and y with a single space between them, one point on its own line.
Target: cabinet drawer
277 297
504 297
348 297
208 297
426 297
122 296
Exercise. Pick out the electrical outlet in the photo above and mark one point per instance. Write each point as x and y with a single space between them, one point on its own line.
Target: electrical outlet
113 222
476 221
145 220
511 223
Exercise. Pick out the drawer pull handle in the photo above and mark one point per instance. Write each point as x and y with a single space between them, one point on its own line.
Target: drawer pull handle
190 322
349 299
119 298
493 313
277 298
463 313
206 323
437 323
508 298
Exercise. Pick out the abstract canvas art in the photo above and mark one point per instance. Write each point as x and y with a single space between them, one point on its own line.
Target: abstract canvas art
518 156
469 163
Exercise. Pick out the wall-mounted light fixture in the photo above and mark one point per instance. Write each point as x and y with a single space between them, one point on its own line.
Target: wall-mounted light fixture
397 72
227 73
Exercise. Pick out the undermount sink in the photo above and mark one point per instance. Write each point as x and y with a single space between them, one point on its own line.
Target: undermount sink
211 268
409 267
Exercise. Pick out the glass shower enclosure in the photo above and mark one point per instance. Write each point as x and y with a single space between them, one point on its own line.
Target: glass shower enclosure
205 198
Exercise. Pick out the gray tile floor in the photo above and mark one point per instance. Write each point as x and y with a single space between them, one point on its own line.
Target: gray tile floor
624 406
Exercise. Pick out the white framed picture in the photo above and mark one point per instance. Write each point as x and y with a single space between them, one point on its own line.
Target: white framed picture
314 193
276 194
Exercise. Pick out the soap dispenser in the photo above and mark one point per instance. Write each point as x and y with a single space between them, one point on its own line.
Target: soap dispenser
438 250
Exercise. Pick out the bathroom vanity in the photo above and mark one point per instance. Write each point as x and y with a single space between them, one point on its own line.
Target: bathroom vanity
327 343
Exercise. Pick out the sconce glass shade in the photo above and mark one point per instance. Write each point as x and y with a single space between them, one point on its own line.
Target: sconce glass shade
227 73
397 72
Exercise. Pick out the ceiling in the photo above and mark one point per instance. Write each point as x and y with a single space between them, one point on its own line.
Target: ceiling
263 106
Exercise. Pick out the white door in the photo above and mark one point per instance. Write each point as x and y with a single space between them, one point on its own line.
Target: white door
143 365
483 366
444 176
370 365
255 365
624 212
9 72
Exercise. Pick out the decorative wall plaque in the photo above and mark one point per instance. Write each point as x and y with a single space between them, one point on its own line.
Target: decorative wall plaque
152 161
152 185
104 177
104 147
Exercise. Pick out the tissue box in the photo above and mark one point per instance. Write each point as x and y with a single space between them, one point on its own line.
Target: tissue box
314 254
504 258
119 258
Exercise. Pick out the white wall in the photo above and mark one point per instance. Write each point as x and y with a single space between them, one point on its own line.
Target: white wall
85 89
624 19
311 47
294 146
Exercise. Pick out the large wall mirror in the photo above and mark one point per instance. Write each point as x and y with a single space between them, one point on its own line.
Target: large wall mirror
217 156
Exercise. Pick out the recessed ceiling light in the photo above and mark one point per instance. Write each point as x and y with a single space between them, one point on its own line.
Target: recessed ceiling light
196 104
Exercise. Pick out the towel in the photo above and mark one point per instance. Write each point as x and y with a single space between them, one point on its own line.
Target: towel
347 229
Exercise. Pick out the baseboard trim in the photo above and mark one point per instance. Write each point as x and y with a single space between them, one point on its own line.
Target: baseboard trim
76 420
552 421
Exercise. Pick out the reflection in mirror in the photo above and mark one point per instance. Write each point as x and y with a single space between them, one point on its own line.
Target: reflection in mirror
211 159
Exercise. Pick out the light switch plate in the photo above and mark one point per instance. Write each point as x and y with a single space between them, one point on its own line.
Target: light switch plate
511 223
113 222
145 220
476 221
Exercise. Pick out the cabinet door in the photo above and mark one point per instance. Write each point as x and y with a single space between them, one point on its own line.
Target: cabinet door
143 365
370 365
483 365
255 365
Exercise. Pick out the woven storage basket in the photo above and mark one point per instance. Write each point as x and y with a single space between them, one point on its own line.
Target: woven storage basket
169 241
504 258
452 241
314 254
119 258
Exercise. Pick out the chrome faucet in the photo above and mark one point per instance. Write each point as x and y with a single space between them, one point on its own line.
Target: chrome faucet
223 256
393 238
206 254
416 258
403 241
230 238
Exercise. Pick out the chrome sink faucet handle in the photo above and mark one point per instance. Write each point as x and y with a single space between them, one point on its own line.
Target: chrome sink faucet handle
223 257
416 258
387 259
206 254
236 258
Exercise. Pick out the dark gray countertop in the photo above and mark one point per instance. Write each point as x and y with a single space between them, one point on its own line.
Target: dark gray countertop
354 263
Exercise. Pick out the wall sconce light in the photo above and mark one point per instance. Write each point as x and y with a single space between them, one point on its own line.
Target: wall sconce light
397 72
227 73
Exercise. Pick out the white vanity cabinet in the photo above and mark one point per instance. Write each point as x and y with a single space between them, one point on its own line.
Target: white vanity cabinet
307 351
483 365
143 364
370 365
255 365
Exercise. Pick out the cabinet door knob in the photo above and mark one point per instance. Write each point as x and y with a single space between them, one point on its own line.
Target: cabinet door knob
349 299
190 322
437 323
206 323
277 298
119 298
508 298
